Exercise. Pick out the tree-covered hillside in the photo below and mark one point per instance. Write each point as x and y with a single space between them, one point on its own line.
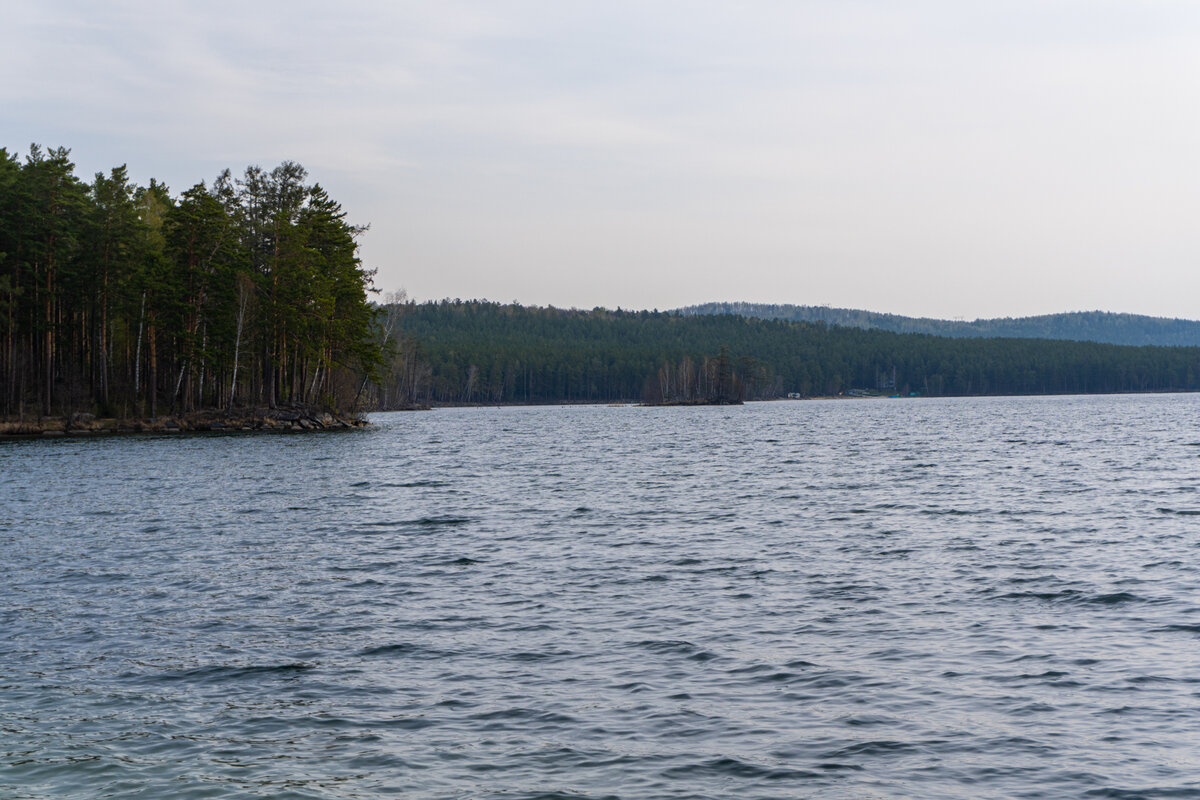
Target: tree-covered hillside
1080 326
128 301
493 353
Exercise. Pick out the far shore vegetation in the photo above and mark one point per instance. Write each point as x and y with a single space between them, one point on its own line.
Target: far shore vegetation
471 351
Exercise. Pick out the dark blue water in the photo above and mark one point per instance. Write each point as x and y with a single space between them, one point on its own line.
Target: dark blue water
858 599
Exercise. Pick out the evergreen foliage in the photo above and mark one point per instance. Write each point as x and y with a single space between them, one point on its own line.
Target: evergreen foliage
484 352
124 301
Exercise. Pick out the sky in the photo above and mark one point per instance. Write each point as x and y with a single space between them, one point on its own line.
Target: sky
928 157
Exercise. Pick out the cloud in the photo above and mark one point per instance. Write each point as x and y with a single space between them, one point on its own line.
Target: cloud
928 157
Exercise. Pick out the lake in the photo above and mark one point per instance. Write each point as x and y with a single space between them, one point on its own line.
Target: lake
985 597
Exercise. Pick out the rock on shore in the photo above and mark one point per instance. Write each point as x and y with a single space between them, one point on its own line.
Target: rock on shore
284 418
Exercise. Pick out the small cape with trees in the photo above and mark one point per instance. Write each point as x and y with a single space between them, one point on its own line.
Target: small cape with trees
244 297
710 382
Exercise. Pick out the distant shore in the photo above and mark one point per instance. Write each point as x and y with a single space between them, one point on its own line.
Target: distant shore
694 403
291 418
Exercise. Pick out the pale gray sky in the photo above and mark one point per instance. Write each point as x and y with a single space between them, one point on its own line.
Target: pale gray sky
936 157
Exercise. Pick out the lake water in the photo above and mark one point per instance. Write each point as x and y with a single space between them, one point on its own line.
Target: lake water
858 599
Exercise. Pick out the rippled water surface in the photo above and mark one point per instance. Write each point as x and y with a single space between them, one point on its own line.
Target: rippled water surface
858 599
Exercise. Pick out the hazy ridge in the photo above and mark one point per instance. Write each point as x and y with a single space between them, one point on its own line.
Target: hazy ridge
1080 326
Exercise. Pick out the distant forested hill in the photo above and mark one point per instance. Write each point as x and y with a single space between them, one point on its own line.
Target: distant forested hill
1078 326
473 351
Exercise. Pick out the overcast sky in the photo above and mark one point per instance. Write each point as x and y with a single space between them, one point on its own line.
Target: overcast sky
939 158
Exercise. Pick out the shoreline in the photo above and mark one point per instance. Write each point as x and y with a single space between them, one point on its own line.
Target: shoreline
807 398
282 419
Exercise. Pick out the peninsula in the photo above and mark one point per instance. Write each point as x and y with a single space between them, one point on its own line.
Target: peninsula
236 304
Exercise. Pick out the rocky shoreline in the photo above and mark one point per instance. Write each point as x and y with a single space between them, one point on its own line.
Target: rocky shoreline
291 418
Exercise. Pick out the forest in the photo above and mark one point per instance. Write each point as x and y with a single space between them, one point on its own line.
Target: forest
459 351
128 301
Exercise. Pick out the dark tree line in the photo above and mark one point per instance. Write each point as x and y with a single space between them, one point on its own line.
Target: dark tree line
128 301
482 352
405 377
